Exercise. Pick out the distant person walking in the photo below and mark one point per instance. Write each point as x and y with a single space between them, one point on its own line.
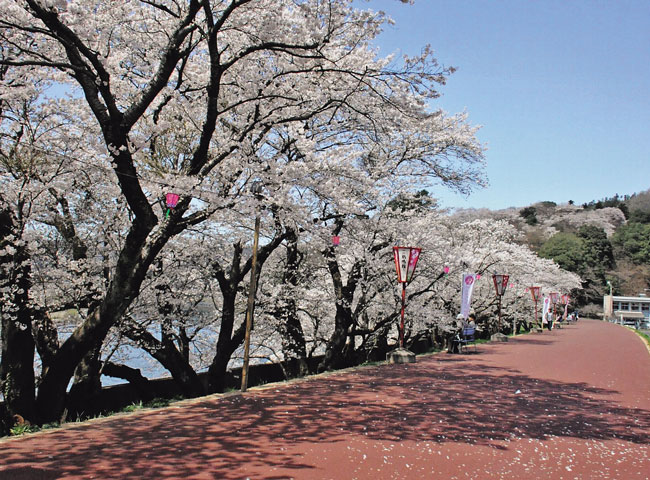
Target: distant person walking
549 319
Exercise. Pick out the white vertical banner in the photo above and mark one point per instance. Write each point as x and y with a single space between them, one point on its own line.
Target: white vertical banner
403 264
469 279
545 309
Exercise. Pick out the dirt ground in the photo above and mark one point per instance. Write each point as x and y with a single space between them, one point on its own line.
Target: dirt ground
568 404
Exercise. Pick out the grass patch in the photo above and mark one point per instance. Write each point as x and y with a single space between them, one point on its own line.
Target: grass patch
155 403
134 407
23 429
18 430
644 337
372 363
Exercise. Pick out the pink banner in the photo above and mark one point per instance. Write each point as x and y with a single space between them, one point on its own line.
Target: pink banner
469 279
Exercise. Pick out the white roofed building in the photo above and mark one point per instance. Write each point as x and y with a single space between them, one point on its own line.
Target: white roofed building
632 311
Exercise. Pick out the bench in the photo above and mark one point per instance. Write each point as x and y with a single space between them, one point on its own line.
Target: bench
467 336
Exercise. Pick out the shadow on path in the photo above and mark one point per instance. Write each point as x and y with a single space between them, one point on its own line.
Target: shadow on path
442 398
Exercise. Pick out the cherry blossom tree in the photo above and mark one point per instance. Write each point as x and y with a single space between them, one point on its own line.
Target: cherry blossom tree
189 96
205 98
352 288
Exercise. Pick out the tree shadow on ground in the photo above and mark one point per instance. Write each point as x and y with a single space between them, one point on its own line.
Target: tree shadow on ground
443 398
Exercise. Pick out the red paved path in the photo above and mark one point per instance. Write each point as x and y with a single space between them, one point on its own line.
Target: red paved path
568 404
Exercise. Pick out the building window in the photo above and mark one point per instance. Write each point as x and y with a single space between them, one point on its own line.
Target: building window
625 306
645 307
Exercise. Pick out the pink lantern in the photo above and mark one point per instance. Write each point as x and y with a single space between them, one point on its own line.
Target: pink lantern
336 240
171 200
446 270
478 277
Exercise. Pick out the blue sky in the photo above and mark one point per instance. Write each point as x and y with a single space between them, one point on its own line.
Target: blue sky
561 89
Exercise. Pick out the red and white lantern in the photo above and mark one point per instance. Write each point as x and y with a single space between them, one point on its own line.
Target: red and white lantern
535 292
500 283
406 259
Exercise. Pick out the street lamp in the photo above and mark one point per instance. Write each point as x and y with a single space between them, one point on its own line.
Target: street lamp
535 293
500 284
256 189
406 258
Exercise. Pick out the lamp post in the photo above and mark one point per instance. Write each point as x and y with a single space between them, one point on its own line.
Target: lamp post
406 258
500 284
256 189
535 293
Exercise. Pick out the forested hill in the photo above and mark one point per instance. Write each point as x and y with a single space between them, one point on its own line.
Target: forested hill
603 240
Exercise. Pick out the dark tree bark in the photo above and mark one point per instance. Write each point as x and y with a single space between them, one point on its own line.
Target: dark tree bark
87 386
344 317
169 356
46 337
129 274
131 375
227 343
294 346
229 285
17 360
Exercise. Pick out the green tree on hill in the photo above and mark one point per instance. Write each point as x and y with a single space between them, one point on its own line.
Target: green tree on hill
598 248
639 216
588 253
566 249
632 241
529 214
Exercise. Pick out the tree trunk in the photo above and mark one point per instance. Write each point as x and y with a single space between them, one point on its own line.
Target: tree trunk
181 370
131 375
166 353
334 357
86 388
378 348
226 344
344 317
17 367
132 266
294 347
46 337
17 361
